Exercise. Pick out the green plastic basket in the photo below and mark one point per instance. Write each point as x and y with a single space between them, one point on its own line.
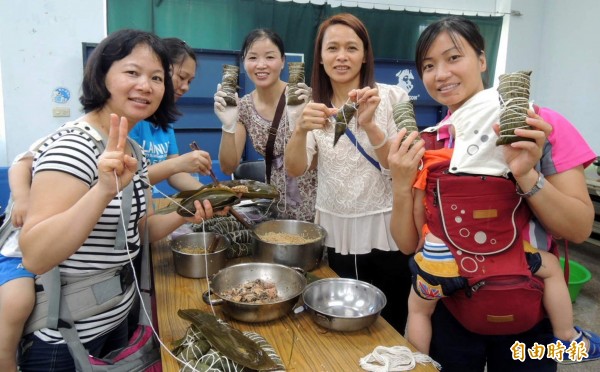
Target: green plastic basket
578 276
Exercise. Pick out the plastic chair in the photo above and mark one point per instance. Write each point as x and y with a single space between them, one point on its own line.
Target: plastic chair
250 170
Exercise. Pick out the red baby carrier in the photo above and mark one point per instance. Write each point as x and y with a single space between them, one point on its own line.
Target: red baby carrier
481 220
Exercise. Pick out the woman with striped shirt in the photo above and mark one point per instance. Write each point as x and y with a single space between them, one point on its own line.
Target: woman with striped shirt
76 190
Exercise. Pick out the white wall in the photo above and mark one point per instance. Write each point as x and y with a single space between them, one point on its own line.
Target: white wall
564 46
40 49
557 40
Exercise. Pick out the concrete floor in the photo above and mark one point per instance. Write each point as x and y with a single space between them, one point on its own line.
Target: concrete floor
586 309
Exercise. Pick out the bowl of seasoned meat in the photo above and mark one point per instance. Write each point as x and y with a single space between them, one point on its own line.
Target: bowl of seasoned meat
255 292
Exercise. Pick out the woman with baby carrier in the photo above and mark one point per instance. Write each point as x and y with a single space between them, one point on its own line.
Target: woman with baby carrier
463 241
79 192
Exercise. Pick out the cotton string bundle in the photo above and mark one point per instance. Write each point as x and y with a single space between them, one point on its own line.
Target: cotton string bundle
514 101
395 358
404 117
296 70
229 83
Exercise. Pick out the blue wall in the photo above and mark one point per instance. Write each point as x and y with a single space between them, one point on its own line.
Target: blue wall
404 73
4 188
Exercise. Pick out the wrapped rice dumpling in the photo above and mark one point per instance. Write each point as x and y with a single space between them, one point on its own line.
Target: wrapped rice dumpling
514 96
404 117
229 83
296 70
212 342
343 117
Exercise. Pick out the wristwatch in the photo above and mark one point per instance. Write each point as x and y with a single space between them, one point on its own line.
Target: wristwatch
537 187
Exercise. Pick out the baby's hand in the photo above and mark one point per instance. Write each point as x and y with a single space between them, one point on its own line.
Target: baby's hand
18 213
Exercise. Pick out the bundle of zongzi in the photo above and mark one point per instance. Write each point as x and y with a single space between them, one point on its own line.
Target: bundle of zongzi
296 70
514 100
404 117
229 83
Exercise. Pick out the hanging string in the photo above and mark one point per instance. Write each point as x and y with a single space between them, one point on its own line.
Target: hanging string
356 164
135 281
166 196
261 215
203 235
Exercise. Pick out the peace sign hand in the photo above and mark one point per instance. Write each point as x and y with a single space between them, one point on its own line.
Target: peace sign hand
114 164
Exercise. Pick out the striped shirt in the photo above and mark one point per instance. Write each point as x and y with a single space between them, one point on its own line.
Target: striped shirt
76 154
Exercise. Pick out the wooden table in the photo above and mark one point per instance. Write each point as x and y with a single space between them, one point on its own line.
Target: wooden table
301 344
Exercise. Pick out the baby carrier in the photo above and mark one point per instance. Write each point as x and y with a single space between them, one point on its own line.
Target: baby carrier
62 299
481 219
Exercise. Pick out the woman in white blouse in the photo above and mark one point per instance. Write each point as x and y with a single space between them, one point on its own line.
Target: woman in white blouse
354 195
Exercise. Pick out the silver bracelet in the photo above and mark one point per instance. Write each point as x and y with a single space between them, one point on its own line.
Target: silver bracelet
539 184
385 139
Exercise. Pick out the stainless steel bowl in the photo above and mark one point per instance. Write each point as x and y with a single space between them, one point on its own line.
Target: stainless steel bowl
289 282
305 256
199 265
343 304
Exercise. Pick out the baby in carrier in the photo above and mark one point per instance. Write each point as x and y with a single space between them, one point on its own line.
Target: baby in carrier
17 294
437 273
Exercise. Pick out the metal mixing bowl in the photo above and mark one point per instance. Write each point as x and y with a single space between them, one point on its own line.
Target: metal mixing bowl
305 256
289 282
199 265
343 304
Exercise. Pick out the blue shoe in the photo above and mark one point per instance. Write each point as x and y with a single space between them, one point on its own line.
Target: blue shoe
593 349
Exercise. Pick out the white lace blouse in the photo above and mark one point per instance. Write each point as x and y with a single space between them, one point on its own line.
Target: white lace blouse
354 199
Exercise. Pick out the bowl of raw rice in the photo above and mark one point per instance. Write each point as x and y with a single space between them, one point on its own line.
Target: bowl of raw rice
290 242
199 254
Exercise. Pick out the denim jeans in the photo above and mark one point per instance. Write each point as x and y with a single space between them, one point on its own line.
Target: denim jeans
37 355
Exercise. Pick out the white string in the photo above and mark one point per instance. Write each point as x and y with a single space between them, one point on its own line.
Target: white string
357 152
166 196
206 267
395 358
261 215
356 163
509 106
135 281
204 241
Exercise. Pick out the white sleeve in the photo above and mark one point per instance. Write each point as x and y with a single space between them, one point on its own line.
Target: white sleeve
21 156
311 149
31 151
